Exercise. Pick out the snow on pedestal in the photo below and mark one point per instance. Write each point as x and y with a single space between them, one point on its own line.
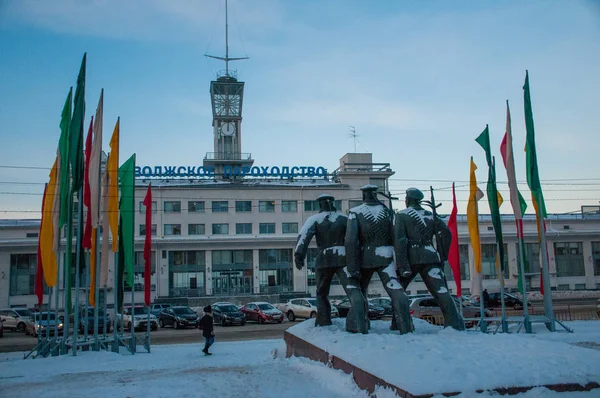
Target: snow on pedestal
434 360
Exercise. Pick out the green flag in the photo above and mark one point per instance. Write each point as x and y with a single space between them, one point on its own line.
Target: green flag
492 192
533 177
127 211
76 139
63 163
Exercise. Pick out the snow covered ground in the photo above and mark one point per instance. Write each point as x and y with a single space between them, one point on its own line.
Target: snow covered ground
250 368
437 360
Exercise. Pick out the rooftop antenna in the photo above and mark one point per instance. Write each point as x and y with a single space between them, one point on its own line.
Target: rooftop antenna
353 135
226 58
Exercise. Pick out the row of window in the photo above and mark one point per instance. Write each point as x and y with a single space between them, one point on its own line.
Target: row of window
568 257
223 229
241 206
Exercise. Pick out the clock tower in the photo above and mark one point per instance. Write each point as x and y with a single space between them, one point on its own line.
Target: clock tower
227 97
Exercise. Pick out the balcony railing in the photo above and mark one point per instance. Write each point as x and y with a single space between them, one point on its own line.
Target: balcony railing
227 156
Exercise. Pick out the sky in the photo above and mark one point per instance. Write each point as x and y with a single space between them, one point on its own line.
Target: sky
419 81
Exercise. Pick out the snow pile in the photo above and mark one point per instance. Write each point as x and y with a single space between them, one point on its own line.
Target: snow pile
437 360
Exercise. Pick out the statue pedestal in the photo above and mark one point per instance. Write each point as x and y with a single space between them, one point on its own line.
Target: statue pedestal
434 360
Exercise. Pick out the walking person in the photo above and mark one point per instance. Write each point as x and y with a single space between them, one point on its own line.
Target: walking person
206 324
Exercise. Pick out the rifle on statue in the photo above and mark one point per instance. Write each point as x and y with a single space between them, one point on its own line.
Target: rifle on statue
440 246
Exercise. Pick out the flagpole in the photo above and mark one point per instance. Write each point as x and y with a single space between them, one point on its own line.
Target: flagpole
77 265
97 290
86 284
521 242
548 310
67 274
132 277
56 294
503 305
482 322
116 288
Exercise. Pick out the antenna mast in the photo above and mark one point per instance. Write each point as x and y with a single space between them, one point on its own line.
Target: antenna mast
353 135
226 58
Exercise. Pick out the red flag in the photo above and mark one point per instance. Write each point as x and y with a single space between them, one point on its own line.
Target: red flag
453 255
148 245
87 198
39 274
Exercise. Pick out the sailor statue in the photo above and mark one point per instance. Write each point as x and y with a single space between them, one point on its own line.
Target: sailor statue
329 227
369 249
415 230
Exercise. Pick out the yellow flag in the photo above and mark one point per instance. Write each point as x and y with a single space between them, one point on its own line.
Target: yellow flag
92 296
500 199
472 217
47 232
112 167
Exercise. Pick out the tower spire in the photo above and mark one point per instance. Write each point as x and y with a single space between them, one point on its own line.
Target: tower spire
226 58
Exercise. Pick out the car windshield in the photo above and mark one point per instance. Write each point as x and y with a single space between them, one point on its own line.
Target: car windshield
136 310
228 308
266 307
45 316
312 302
23 312
183 311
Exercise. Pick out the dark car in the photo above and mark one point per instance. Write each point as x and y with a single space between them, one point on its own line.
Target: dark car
510 301
262 312
88 319
1 328
178 317
374 312
383 302
228 314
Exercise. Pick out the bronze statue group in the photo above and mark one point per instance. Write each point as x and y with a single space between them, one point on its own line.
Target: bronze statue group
372 239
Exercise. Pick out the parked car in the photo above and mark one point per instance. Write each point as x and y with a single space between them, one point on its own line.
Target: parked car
43 323
262 312
383 302
227 314
510 301
1 328
304 308
138 317
428 309
86 317
178 316
374 312
15 318
155 309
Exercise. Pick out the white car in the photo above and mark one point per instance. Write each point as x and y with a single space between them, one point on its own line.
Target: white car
304 308
140 318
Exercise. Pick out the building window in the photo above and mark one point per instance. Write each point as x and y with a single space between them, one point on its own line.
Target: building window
379 183
532 258
22 274
196 206
172 229
143 230
337 204
311 260
275 270
138 276
220 206
229 257
172 206
311 205
220 229
353 203
596 257
143 208
266 206
289 206
243 229
243 206
196 229
32 234
569 259
187 273
289 228
266 228
488 261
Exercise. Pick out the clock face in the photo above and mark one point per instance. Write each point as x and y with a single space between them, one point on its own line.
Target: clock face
228 128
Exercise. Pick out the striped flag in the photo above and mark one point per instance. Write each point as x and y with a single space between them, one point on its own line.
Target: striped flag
39 273
475 195
87 234
453 253
47 232
104 251
95 160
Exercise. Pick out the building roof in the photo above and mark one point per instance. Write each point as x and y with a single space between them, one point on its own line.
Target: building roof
14 223
245 184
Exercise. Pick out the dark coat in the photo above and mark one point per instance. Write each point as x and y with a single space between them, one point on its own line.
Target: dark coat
414 232
330 229
206 324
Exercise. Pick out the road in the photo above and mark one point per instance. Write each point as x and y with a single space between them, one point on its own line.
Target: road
13 341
